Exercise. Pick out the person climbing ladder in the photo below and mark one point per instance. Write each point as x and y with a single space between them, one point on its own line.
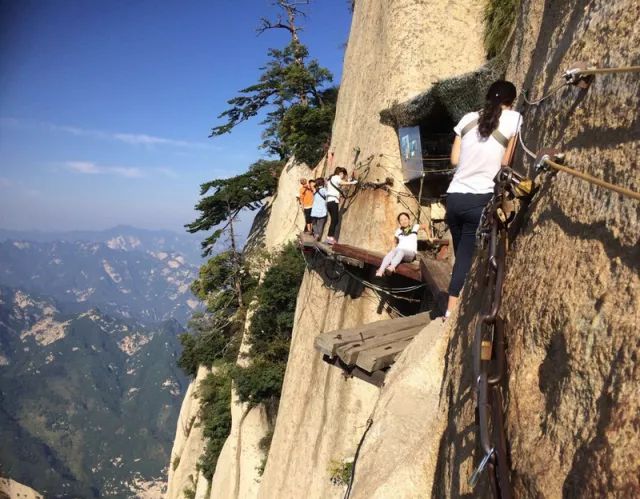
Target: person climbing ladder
334 192
484 142
406 237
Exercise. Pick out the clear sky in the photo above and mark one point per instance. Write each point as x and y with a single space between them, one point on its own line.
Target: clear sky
105 106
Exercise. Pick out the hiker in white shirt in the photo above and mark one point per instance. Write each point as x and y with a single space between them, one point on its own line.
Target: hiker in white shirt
484 142
338 179
406 245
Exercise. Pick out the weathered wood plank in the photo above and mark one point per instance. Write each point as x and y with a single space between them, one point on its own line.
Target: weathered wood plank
328 342
350 352
375 378
409 270
307 240
437 274
381 357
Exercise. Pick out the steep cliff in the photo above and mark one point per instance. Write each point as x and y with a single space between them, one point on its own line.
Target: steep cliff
572 291
396 50
571 295
237 469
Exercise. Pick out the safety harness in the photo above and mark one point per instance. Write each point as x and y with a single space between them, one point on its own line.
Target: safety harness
502 140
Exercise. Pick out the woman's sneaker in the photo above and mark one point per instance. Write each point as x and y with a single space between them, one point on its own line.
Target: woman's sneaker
330 240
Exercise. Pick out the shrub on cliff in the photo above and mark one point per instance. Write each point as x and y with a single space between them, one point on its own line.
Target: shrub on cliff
499 19
214 393
270 331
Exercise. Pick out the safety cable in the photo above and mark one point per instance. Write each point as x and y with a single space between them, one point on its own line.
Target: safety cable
592 180
552 92
574 75
597 71
545 159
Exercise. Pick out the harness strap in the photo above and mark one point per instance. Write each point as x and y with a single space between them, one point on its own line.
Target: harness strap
337 188
497 134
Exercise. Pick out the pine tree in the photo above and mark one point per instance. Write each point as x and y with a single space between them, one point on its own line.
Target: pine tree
289 81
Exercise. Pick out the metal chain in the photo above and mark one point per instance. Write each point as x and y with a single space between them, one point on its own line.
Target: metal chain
489 359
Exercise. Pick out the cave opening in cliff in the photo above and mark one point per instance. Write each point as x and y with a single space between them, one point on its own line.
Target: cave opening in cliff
425 149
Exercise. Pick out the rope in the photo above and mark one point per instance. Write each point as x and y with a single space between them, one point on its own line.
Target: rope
593 180
546 96
581 175
355 458
524 147
598 71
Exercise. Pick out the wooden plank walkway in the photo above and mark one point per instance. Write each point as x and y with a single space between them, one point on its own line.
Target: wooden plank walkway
433 272
372 346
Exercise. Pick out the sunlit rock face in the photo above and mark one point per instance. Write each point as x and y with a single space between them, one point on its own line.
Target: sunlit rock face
571 295
572 292
396 50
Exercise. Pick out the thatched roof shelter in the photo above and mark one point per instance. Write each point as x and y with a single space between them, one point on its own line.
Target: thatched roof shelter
455 96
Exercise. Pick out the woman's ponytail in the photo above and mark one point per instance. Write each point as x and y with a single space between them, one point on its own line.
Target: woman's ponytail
500 93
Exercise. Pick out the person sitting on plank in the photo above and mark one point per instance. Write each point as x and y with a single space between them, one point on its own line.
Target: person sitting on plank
406 237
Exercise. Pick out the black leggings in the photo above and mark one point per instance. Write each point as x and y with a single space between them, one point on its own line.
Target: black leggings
463 218
334 213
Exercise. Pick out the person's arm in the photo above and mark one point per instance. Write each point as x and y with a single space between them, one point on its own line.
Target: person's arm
348 182
509 151
455 151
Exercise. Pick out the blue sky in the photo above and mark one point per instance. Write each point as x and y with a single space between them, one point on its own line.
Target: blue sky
105 106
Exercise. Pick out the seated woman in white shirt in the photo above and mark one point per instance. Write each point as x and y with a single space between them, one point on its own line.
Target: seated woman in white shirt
484 142
406 245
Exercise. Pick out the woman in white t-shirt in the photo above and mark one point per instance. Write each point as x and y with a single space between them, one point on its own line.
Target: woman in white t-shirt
484 142
406 245
338 179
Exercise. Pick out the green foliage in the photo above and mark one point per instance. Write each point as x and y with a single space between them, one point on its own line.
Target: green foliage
272 321
286 80
340 472
189 491
270 330
175 463
499 18
228 196
216 335
216 283
206 343
259 382
214 393
306 130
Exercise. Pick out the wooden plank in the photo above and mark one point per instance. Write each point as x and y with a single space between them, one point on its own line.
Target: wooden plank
376 378
325 248
381 357
350 261
409 270
307 240
437 274
350 352
327 343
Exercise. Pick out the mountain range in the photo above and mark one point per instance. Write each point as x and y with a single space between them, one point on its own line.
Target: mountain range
89 388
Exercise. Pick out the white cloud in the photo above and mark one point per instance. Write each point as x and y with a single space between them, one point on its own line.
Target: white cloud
126 138
90 168
167 172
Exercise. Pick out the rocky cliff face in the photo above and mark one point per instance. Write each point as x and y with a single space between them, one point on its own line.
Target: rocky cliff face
571 296
395 51
10 489
237 473
572 292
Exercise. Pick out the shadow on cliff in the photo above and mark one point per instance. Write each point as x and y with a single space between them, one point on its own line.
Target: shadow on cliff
458 389
348 280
